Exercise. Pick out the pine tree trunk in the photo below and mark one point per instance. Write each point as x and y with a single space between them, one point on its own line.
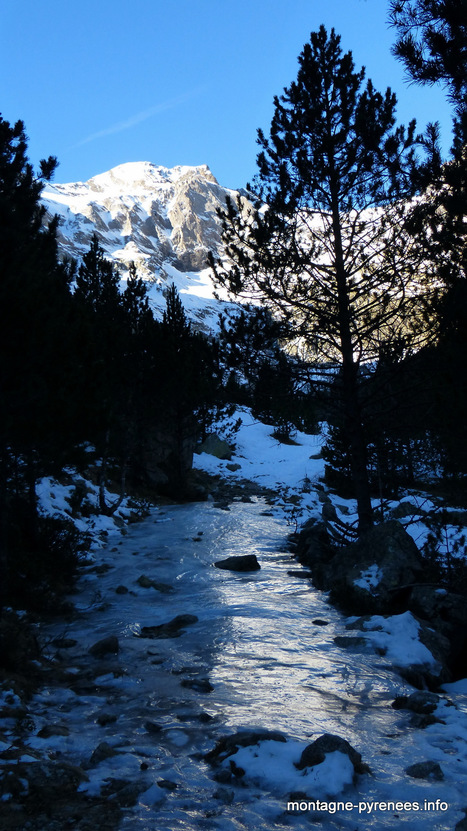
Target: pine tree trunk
3 531
351 403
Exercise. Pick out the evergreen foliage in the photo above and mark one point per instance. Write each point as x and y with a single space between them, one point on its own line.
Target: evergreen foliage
432 44
81 360
36 343
330 253
189 383
260 374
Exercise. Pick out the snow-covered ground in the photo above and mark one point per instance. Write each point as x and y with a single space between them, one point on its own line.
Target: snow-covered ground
260 654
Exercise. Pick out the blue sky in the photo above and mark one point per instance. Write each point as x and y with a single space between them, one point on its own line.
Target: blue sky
102 82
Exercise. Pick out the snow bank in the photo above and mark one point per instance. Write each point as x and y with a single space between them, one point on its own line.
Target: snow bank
271 764
398 635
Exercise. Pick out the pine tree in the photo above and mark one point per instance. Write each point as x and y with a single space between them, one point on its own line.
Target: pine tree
329 253
432 44
35 332
189 380
34 304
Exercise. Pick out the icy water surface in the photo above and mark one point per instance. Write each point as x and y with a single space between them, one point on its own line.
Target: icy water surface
269 666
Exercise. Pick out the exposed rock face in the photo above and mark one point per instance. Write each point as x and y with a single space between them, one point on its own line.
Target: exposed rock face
142 212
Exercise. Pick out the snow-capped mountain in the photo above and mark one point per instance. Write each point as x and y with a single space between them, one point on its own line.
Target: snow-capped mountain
165 220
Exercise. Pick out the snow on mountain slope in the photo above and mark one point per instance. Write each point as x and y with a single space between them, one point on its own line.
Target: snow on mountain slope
165 220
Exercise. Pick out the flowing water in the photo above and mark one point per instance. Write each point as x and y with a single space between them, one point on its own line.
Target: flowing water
265 643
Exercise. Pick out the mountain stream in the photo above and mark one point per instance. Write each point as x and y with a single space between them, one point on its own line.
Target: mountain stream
261 655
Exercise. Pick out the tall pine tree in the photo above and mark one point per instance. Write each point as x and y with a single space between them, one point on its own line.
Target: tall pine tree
35 332
324 246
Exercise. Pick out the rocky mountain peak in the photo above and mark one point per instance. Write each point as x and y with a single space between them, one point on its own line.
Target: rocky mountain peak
142 212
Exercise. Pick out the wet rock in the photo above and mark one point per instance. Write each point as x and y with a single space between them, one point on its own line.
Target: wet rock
102 569
104 647
425 770
229 745
121 590
146 583
173 629
316 752
103 751
350 642
49 780
198 684
418 702
242 562
124 792
224 795
237 771
152 727
302 575
421 722
223 776
64 643
185 670
319 622
53 730
106 718
205 718
371 575
167 784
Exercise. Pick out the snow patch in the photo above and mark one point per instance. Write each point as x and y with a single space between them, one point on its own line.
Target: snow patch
272 765
398 635
369 578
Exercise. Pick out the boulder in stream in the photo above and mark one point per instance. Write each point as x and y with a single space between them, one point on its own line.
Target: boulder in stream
373 573
317 751
429 770
104 647
229 745
242 562
422 702
173 629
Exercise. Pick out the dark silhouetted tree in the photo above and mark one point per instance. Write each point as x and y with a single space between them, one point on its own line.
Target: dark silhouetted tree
432 44
325 247
36 346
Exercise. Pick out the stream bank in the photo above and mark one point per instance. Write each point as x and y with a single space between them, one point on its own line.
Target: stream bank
121 730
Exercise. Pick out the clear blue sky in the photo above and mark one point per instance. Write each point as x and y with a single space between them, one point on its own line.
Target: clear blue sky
102 82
